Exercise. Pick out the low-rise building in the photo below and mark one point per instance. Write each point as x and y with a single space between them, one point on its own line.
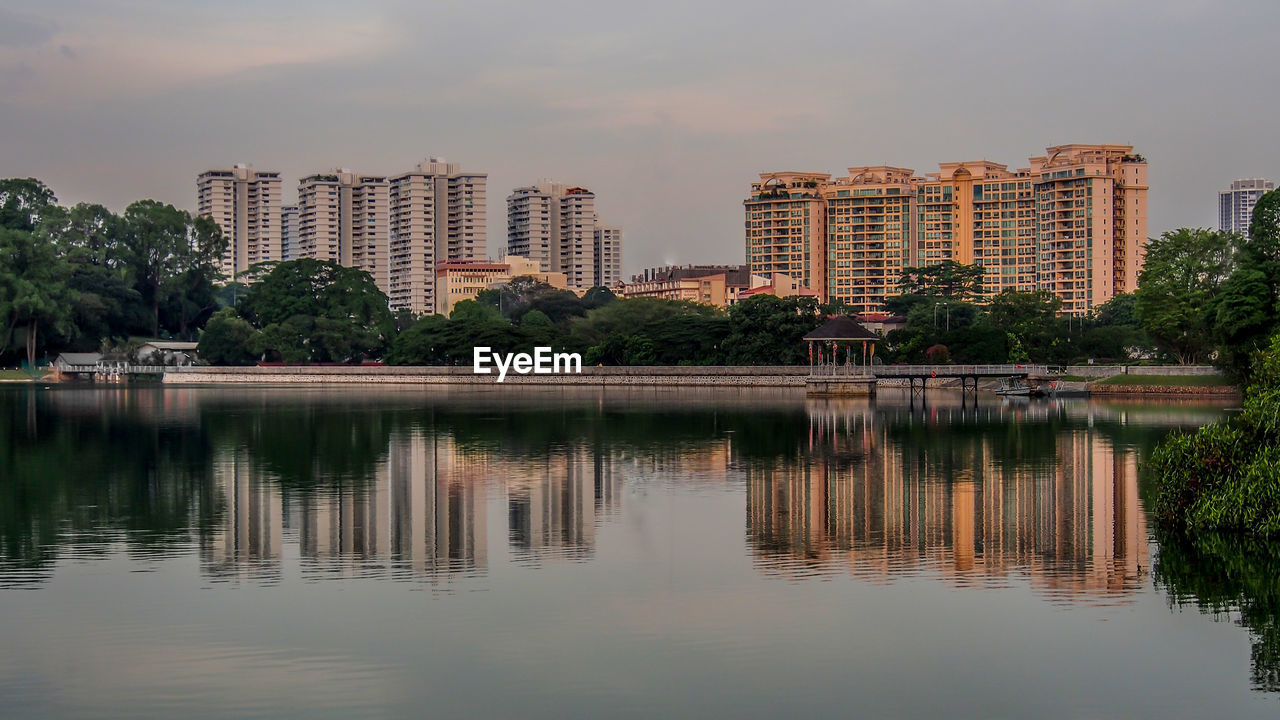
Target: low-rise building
465 280
718 285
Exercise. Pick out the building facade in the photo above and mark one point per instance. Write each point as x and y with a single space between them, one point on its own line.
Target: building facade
464 280
1074 223
608 256
1235 204
438 215
245 203
343 217
557 226
786 227
288 232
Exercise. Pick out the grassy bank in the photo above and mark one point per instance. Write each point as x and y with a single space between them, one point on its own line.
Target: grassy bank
1132 380
13 374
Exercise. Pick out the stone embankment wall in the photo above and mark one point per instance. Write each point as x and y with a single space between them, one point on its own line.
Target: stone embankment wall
1106 371
763 376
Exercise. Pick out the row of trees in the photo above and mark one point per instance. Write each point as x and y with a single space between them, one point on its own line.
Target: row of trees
76 278
946 323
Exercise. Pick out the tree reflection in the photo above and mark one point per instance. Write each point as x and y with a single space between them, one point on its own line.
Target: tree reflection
1226 574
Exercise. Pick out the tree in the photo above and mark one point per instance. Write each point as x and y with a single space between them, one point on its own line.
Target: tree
1247 311
948 279
1183 274
768 330
318 311
23 203
1029 320
227 340
33 291
173 258
598 296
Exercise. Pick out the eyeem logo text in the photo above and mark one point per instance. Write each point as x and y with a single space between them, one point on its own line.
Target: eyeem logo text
541 362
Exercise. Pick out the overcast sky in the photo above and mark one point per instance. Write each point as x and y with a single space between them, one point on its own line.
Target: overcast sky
667 110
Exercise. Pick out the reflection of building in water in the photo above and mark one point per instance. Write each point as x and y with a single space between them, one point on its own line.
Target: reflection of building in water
554 503
966 503
246 542
422 514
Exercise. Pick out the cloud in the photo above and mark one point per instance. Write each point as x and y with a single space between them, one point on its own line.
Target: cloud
90 58
19 30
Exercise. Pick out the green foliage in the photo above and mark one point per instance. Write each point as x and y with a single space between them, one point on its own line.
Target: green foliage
227 340
33 290
23 203
768 330
174 261
1182 276
317 311
949 280
1226 476
597 297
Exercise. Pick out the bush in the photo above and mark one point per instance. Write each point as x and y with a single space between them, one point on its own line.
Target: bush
1226 476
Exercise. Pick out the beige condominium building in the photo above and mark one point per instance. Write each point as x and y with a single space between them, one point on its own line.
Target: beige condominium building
870 217
465 279
342 216
786 227
556 225
245 203
438 216
1091 208
1074 222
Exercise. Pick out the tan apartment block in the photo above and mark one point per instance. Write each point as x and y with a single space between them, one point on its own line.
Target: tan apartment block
438 215
1091 208
786 227
245 203
343 217
464 280
979 213
870 227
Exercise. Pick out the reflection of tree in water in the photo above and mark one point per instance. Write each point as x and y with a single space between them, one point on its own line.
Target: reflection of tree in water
1222 574
88 476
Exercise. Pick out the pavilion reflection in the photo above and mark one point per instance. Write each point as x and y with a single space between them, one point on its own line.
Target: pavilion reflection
978 497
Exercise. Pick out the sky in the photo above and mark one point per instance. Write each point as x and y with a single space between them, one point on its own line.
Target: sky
667 110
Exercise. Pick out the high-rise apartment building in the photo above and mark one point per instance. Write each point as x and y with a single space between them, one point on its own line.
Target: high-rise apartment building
608 256
245 203
1074 223
288 232
556 225
1091 212
343 216
979 213
1235 204
870 218
786 227
438 215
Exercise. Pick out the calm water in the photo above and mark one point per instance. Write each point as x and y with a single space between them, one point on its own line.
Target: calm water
340 553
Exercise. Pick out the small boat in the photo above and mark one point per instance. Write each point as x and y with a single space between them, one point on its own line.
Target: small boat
1013 386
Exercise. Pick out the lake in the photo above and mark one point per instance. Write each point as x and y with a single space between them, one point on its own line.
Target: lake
525 552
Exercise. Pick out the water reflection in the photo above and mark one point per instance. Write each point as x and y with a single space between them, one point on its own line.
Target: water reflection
973 494
399 486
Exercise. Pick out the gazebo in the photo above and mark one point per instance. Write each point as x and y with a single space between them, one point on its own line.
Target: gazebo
837 338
